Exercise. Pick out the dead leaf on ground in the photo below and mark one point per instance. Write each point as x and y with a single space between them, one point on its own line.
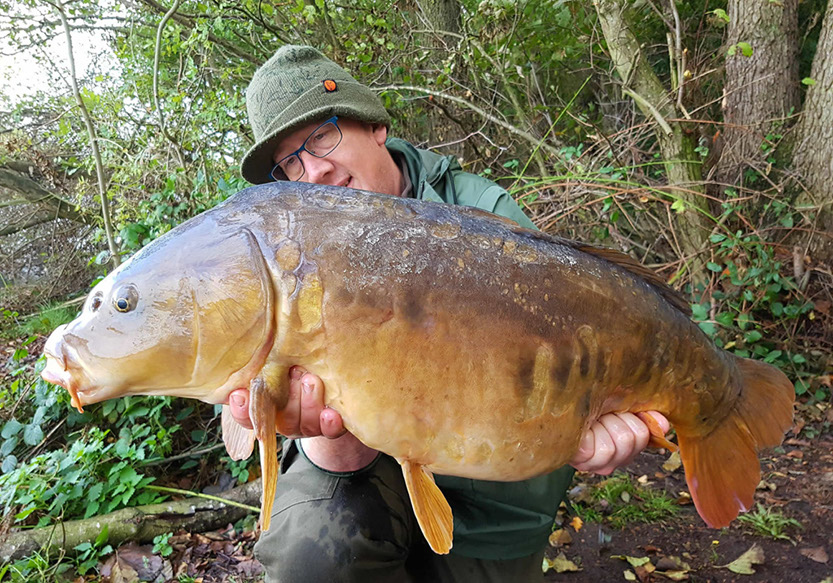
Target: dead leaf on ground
560 537
576 523
743 564
684 499
633 561
672 563
673 463
817 554
560 564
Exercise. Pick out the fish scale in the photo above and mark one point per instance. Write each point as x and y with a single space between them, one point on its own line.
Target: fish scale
449 338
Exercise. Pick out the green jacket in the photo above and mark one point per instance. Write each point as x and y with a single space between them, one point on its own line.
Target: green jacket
492 520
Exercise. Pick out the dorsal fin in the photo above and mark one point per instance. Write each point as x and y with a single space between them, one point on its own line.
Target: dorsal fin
624 261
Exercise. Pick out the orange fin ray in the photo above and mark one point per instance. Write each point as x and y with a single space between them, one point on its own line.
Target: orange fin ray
657 438
430 507
262 411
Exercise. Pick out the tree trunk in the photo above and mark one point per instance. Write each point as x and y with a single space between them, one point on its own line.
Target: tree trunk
813 153
443 15
34 193
139 524
676 146
761 89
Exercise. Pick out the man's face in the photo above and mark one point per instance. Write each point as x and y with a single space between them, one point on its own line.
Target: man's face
360 160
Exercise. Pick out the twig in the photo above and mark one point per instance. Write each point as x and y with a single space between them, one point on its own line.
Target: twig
88 122
156 104
647 105
509 127
201 495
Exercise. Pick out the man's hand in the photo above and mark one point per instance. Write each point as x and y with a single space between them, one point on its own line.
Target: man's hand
613 441
326 442
304 415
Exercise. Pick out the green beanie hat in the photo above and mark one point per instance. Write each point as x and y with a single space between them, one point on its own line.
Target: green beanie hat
298 86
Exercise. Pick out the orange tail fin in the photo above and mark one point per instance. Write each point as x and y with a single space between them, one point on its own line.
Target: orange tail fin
722 468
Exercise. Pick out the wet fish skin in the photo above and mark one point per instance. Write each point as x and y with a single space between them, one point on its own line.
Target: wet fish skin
451 339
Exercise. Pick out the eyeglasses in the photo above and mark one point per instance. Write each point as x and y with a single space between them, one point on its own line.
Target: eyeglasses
320 143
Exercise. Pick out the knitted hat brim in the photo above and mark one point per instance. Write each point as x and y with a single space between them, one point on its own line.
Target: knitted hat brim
317 107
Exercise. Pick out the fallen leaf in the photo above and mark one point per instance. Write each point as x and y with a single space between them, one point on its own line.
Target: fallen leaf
629 575
674 575
576 523
673 463
672 563
684 499
796 453
817 554
560 537
632 561
560 564
743 564
644 572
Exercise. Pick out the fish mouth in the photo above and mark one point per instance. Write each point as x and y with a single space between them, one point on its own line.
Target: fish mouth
61 369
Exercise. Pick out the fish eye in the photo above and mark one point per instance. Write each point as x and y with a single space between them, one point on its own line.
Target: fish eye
125 299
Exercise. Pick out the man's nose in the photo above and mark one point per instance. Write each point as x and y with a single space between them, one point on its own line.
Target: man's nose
316 169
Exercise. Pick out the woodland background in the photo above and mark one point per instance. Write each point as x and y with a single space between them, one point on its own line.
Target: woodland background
696 136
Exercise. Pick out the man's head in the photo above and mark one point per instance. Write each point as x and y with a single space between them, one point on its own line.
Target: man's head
298 88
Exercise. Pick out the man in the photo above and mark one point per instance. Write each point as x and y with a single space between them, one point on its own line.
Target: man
342 512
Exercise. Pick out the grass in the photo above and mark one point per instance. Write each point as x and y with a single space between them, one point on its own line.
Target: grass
620 501
770 523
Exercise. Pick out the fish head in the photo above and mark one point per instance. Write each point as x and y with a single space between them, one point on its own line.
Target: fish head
190 316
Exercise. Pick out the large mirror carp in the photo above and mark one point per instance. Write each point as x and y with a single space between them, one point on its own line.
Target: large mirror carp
447 337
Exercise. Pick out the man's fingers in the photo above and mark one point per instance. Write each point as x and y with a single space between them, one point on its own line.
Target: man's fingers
332 425
312 403
239 407
289 418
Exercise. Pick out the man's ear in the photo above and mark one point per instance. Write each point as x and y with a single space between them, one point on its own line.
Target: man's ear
380 133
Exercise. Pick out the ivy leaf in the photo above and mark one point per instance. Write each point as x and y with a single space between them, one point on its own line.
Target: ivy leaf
721 14
808 81
32 434
9 464
745 48
11 428
678 205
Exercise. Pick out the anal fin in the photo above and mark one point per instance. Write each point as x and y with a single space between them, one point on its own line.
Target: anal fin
239 441
430 507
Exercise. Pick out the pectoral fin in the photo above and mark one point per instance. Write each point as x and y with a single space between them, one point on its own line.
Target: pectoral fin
657 438
240 442
262 410
430 507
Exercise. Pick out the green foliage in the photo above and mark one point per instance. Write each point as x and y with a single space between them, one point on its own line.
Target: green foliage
770 523
620 501
161 545
753 307
89 554
39 323
34 567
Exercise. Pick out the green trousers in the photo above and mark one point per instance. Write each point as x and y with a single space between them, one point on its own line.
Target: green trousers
360 528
